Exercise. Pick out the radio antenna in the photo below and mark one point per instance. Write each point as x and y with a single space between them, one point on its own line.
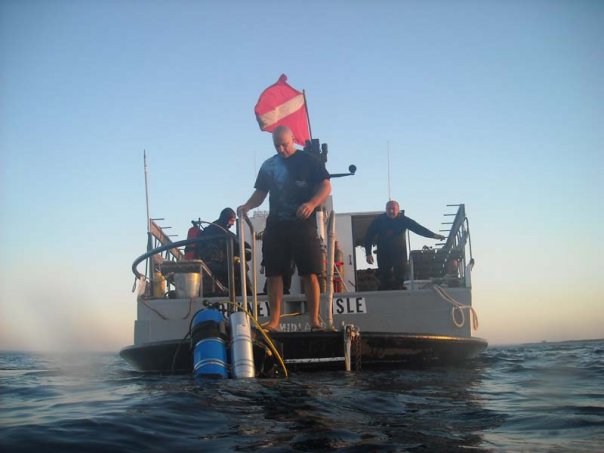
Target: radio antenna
388 157
149 240
146 192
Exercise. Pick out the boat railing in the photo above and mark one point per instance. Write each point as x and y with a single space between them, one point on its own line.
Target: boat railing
243 265
155 255
169 251
452 262
328 245
157 237
172 253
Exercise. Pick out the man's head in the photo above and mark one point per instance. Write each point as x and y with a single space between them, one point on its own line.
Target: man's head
227 217
283 138
392 209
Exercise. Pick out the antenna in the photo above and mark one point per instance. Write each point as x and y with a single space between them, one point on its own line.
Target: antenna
149 240
388 157
146 191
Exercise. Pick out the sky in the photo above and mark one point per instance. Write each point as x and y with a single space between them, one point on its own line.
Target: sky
498 105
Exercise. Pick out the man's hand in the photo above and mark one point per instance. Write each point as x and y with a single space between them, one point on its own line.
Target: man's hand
439 236
244 208
255 200
305 210
369 259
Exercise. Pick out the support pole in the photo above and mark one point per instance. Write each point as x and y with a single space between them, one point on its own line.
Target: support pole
307 115
331 239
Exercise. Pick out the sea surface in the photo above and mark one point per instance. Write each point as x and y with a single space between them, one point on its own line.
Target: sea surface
531 397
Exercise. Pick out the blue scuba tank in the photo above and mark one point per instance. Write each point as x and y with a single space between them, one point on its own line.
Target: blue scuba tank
209 336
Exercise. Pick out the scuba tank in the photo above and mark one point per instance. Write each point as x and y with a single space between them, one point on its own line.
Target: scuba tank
209 337
242 355
193 233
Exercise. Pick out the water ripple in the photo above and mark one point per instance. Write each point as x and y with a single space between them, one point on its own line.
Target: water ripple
541 397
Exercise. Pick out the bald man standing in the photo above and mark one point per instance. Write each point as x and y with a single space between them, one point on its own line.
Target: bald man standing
389 230
298 184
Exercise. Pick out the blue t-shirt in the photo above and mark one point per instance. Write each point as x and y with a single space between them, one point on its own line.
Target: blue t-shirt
290 182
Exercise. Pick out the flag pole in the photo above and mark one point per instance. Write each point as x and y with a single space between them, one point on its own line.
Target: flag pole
307 115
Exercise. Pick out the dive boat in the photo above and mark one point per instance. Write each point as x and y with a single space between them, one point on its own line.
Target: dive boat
428 322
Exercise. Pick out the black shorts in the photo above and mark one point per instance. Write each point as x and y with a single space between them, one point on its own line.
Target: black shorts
286 241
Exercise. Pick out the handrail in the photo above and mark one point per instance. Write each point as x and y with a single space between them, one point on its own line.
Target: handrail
458 221
459 237
157 232
469 240
157 250
457 240
172 245
331 239
242 262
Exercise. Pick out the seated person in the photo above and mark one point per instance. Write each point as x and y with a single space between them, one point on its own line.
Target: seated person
213 250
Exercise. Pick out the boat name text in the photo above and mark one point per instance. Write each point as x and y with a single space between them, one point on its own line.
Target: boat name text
349 305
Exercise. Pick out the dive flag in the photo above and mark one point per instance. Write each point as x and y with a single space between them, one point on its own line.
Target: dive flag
280 104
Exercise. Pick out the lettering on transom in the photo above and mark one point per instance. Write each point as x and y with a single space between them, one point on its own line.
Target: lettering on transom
349 305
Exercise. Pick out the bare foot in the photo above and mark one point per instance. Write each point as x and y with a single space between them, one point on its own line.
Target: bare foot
316 326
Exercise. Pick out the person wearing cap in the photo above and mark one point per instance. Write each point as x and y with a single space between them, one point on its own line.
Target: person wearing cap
388 232
298 184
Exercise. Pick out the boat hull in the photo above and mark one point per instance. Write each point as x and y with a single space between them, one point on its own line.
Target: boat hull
322 350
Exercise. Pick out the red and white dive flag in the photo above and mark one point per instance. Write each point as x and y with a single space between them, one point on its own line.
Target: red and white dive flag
280 104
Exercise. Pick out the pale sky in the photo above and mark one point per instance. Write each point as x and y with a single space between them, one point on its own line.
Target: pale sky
498 105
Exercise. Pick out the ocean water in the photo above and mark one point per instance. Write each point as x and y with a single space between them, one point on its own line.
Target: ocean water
532 397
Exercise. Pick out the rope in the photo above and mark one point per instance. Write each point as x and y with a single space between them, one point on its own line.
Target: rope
457 308
289 315
178 350
270 343
157 312
142 301
190 307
